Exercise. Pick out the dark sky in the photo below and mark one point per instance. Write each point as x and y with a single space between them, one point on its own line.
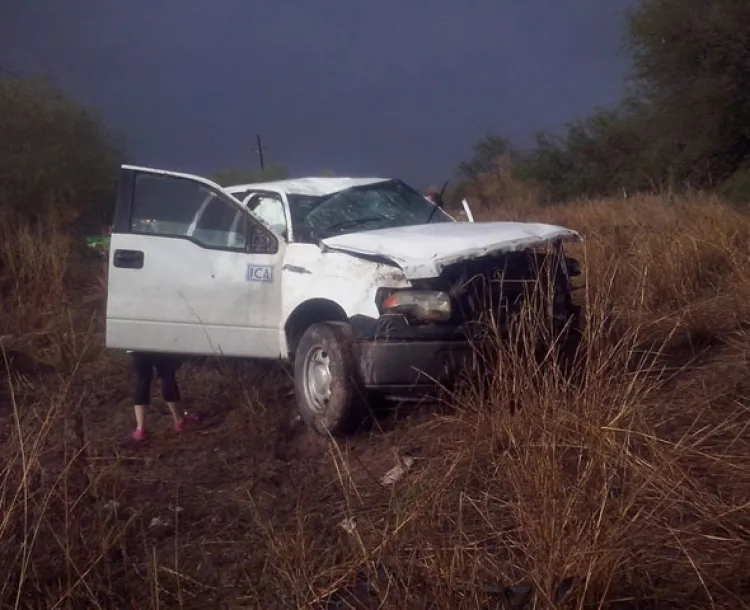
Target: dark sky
389 87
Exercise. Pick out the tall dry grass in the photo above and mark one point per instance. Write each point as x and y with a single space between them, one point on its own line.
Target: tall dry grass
626 485
626 488
47 338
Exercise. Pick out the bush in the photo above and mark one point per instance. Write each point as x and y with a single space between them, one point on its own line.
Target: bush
55 155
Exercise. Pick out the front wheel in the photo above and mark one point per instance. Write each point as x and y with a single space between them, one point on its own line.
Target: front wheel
326 378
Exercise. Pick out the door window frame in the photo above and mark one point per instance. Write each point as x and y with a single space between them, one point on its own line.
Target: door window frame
126 188
276 195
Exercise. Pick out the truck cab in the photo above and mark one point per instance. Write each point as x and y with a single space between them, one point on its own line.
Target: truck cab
361 284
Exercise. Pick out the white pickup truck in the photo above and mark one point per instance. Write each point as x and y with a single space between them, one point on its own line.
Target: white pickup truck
361 283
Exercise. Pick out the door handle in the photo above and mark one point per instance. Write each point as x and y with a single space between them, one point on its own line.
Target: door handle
128 259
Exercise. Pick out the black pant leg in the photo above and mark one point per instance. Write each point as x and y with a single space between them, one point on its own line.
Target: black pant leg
144 373
165 369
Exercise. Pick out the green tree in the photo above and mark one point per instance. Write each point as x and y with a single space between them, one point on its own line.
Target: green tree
691 63
54 154
239 175
597 156
486 152
684 123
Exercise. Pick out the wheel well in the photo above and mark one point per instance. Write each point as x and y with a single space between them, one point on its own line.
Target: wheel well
310 312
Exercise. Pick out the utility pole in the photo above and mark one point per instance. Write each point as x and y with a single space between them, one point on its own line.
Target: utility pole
259 150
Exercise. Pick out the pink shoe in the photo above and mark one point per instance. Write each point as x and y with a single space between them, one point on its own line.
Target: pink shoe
139 434
189 420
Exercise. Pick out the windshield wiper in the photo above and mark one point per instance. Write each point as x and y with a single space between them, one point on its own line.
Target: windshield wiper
351 223
435 203
432 213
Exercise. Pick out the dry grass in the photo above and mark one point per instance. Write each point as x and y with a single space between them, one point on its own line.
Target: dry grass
626 487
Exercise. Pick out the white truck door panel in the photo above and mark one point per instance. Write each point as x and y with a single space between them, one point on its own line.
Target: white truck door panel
191 271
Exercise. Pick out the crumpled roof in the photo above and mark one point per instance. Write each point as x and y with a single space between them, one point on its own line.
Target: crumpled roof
306 186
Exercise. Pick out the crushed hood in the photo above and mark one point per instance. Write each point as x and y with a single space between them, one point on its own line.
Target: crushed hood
423 251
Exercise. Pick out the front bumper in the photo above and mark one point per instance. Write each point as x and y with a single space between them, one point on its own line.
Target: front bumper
394 357
413 365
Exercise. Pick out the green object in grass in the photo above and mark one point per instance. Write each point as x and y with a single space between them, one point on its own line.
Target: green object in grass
98 243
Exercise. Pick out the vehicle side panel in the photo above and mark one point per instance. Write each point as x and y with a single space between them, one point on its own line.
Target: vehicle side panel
351 282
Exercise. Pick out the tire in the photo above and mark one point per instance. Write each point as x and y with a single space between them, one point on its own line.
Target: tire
327 384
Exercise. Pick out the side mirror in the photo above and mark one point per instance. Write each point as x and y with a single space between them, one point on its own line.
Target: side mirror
467 209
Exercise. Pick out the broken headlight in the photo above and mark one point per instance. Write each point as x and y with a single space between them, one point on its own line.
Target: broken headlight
418 305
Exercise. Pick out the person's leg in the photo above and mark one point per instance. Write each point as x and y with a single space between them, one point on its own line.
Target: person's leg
166 367
142 393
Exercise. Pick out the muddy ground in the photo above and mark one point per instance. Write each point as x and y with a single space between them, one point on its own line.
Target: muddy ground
192 518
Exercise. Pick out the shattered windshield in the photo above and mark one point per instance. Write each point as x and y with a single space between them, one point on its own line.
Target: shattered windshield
362 208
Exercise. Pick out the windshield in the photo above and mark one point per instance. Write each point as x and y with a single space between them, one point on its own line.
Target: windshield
362 208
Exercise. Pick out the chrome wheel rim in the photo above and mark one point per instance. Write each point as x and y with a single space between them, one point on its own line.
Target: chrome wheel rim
317 379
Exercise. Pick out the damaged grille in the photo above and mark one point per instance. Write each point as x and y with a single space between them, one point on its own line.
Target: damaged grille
494 289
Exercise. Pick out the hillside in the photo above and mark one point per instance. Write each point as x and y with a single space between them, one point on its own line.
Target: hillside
626 488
